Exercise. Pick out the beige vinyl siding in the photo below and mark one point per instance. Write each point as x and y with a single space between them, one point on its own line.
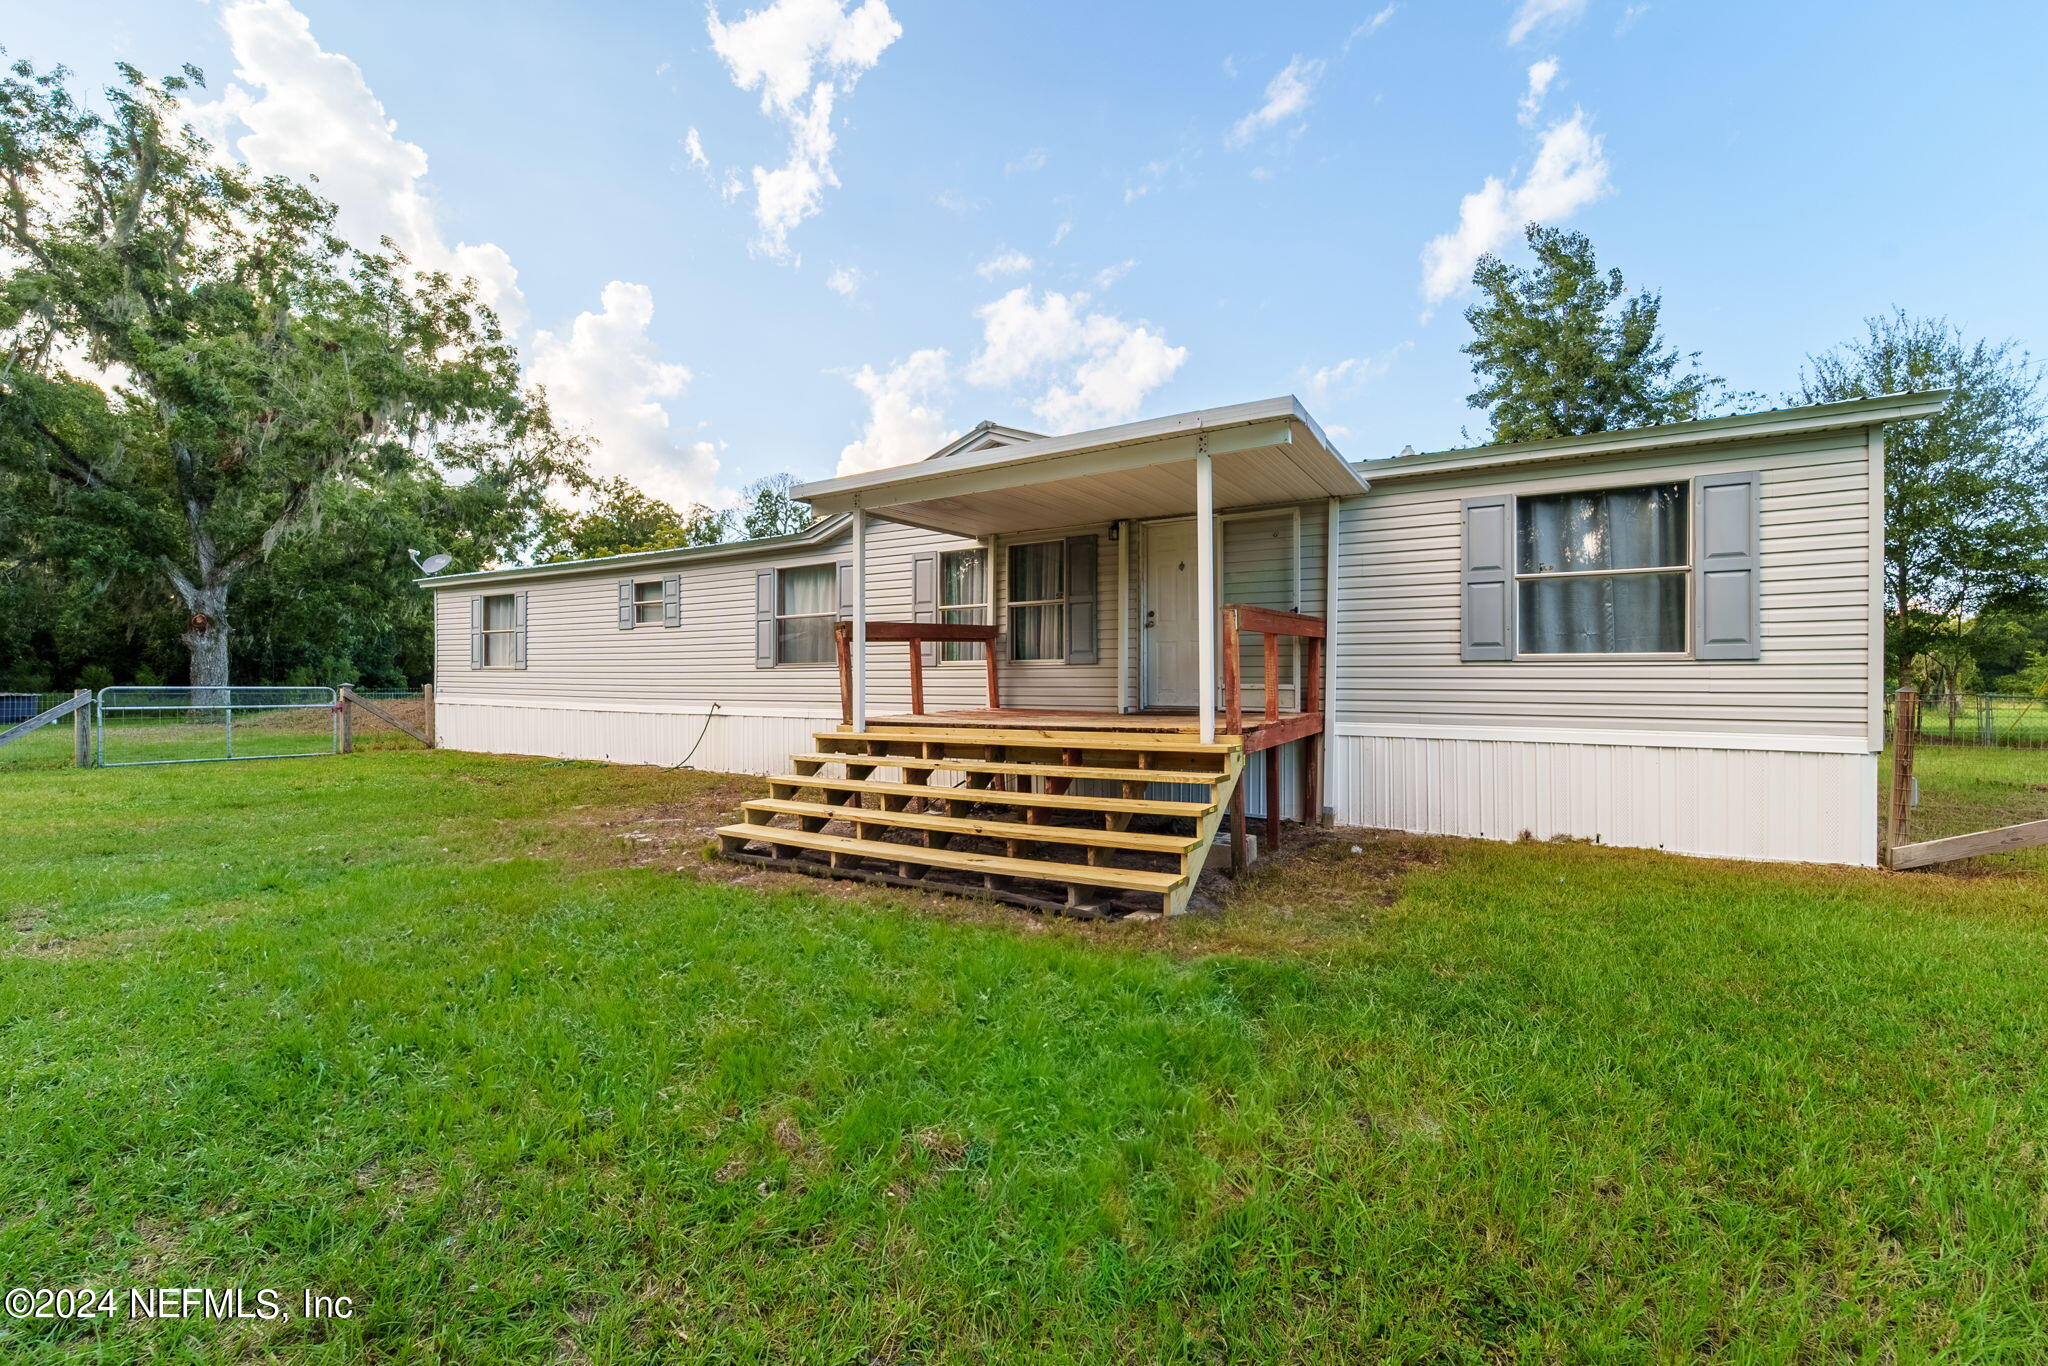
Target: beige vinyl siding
578 656
1399 582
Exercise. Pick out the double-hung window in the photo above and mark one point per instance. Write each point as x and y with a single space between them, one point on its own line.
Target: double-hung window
647 602
1604 571
500 633
1038 600
806 605
963 598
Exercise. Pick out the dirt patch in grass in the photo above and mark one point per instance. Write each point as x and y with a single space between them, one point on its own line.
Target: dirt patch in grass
1322 882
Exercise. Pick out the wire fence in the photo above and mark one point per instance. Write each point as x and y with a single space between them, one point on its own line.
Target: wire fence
2006 720
369 731
50 747
195 725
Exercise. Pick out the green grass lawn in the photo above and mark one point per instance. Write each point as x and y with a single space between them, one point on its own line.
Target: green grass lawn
407 1027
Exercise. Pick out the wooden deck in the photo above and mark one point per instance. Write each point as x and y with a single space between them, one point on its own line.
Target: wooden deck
1259 733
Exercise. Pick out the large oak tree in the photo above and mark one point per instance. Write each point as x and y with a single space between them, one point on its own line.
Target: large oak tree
196 362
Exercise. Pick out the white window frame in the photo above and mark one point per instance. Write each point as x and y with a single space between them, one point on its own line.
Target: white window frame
659 602
1683 570
969 650
829 661
1011 603
510 633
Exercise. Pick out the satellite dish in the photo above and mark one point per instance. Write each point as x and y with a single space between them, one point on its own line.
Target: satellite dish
432 564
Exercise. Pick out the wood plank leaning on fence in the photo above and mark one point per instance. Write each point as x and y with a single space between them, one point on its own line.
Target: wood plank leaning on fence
1900 855
79 708
348 731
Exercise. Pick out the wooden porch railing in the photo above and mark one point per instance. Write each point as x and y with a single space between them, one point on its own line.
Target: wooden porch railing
915 633
1307 727
1241 618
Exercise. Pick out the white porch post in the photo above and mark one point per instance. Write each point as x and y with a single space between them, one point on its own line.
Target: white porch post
1332 546
860 618
1123 616
1205 592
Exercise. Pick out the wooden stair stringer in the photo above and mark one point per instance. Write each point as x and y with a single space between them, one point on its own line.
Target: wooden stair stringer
1206 827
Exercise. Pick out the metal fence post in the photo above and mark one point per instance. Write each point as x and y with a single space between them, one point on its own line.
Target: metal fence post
1905 725
81 730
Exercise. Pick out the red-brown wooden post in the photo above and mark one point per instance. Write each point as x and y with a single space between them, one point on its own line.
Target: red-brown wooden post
1233 680
842 644
916 677
988 653
1272 675
1273 799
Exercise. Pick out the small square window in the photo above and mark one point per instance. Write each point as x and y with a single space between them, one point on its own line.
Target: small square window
648 601
806 606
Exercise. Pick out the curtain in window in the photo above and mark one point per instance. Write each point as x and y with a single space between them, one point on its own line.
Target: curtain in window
501 621
963 578
806 604
1038 573
1633 528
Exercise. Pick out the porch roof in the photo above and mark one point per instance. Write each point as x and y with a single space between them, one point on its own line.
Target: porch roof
1266 452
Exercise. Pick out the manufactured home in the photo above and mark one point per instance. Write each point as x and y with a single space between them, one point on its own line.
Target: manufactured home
1057 669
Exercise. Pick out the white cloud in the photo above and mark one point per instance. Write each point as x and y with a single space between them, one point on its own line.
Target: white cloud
605 377
1109 275
1059 234
801 55
1033 160
1287 95
302 110
1089 368
904 420
1008 261
957 201
1149 178
1351 374
1370 26
846 281
1541 74
1531 15
1570 172
305 111
694 145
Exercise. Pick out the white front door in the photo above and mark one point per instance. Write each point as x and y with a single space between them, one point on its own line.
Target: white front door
1171 650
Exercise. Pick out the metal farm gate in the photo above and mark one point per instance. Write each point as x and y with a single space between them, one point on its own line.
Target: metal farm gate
200 725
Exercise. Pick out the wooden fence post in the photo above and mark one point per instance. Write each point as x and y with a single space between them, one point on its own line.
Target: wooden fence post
348 731
81 730
1905 729
427 697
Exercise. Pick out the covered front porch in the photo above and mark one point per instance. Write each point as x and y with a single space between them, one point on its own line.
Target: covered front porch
1137 632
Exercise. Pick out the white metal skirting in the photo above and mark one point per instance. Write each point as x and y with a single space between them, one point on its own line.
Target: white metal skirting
1776 804
727 742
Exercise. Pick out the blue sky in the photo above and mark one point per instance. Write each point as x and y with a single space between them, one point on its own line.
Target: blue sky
897 218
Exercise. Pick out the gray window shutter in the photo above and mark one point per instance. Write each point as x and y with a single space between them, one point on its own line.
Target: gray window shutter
764 619
626 604
846 590
672 600
519 630
1487 621
1081 634
924 598
476 632
1726 566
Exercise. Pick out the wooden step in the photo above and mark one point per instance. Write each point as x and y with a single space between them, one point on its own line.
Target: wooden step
1136 806
1022 770
1129 740
1073 874
1172 845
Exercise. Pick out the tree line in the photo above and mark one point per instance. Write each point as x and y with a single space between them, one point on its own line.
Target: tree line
224 429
